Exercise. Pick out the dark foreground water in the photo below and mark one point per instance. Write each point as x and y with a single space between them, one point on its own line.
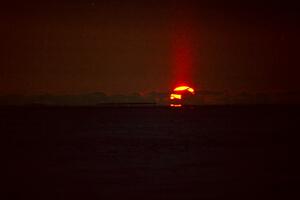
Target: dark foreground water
241 152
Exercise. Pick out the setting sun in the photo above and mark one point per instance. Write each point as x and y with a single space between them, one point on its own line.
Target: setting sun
179 95
175 96
184 88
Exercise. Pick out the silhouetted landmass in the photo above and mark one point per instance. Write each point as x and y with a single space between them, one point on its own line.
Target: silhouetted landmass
91 99
201 98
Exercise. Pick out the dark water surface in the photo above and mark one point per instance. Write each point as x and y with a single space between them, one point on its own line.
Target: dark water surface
233 152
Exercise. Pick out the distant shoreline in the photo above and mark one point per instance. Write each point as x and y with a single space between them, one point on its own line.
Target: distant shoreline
142 105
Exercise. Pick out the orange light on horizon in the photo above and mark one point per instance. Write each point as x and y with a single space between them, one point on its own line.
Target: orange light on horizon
175 105
175 96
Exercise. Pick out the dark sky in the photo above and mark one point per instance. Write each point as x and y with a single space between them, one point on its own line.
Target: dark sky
115 47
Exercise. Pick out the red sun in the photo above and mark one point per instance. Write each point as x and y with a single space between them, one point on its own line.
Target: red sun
179 93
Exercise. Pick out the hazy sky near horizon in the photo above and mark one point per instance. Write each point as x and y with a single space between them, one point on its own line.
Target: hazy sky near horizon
141 46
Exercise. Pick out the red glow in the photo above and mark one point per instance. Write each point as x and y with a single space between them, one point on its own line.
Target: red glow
182 60
184 47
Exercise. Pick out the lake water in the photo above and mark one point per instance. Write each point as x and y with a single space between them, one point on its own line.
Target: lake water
212 152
